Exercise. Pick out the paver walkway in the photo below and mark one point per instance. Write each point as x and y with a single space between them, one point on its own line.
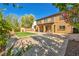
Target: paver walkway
49 45
44 45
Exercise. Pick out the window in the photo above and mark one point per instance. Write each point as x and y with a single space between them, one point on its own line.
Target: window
52 19
62 28
46 20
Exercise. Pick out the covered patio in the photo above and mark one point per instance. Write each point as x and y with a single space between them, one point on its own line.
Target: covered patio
44 27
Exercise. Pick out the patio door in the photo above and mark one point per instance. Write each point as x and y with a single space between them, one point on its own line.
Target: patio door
48 28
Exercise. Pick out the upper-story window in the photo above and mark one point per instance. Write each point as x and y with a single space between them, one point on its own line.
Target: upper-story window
52 19
46 20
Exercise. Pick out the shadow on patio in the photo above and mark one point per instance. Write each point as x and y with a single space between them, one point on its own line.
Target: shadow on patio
46 47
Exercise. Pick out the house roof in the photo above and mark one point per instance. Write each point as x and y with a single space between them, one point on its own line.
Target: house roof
49 16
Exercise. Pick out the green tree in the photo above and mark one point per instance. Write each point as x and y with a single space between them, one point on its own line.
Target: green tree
12 20
27 21
4 32
71 12
5 26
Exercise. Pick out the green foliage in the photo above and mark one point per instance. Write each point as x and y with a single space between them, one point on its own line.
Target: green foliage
60 6
6 26
72 9
12 20
27 21
24 34
19 52
76 25
9 51
2 42
4 31
23 50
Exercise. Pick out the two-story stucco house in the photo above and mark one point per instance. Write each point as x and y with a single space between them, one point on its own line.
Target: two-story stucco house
53 24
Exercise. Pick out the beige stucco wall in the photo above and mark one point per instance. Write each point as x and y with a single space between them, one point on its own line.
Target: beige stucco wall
58 22
22 30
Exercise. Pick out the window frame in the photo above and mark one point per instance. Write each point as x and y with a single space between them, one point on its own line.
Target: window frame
62 27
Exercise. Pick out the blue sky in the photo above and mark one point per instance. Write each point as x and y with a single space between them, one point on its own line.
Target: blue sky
39 10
